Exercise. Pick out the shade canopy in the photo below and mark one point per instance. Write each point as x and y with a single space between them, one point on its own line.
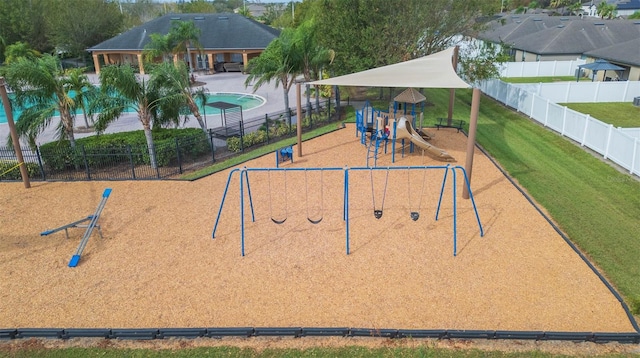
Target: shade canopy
432 71
601 65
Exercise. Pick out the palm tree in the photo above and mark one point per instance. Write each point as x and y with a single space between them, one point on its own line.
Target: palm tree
182 36
121 90
279 62
84 91
314 57
175 81
158 46
41 88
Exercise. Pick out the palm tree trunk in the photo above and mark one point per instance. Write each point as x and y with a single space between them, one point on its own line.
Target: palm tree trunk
317 99
286 104
67 123
193 107
146 126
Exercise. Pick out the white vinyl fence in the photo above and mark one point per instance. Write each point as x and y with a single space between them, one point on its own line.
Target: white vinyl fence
585 92
621 146
540 68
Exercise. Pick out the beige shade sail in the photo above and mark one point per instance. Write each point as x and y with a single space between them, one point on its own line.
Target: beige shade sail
432 71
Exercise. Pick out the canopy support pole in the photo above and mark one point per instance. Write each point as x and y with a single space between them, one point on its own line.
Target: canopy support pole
471 140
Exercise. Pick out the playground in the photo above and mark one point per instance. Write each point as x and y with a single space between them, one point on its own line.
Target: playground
157 264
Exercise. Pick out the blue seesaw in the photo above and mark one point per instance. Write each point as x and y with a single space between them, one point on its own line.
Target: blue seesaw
93 223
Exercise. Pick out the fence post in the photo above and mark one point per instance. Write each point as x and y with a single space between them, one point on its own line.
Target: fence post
596 92
564 119
42 172
606 150
178 155
546 113
133 167
633 157
86 164
626 90
533 104
212 146
241 139
586 125
566 97
266 123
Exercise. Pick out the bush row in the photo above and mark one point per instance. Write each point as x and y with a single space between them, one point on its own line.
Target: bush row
277 128
130 147
9 171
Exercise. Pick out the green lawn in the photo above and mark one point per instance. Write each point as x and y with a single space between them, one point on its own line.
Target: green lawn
596 205
543 79
620 114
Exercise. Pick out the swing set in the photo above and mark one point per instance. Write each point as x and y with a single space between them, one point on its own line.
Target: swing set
377 212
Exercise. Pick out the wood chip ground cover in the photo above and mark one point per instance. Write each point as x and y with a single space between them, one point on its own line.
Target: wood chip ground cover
157 265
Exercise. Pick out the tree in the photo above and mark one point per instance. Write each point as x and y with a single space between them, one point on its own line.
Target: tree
196 6
41 88
86 29
121 90
370 33
278 62
481 60
175 82
183 35
606 10
85 92
244 11
635 15
26 21
314 57
19 50
158 46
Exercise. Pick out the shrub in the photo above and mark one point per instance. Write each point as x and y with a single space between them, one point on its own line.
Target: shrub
100 150
9 171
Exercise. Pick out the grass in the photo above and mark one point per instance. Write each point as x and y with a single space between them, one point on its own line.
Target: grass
252 154
543 79
595 204
620 114
351 352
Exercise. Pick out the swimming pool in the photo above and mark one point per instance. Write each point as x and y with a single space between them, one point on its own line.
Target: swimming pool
246 100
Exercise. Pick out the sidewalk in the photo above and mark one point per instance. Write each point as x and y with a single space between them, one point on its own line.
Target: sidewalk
220 82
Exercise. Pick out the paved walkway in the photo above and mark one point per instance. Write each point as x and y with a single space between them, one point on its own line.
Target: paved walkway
220 82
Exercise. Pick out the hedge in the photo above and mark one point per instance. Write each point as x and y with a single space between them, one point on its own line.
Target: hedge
108 149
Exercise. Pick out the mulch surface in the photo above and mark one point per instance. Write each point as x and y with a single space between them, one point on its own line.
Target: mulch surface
157 265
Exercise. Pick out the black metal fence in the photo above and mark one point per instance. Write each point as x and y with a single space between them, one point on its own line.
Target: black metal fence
171 158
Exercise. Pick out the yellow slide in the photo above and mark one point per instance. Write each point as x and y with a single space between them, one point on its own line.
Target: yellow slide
405 130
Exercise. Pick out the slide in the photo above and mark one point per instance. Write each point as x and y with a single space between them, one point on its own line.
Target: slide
405 130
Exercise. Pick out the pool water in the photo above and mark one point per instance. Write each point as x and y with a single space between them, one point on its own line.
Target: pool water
247 101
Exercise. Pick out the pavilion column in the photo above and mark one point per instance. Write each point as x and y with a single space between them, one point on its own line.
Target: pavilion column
96 63
175 59
107 61
471 140
245 60
140 64
210 60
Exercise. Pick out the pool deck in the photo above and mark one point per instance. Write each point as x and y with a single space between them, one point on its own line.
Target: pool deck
220 82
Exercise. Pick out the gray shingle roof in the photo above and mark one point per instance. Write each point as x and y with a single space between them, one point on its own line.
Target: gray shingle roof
625 52
516 26
578 37
219 31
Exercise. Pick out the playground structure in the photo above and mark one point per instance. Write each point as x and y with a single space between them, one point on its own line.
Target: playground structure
398 123
378 212
93 223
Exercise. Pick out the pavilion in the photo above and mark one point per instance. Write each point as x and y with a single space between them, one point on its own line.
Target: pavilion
228 42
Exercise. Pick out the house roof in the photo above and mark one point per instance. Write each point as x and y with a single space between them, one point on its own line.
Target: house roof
627 4
516 26
219 31
577 37
625 52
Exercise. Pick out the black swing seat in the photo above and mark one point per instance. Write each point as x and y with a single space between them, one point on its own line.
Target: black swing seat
279 221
